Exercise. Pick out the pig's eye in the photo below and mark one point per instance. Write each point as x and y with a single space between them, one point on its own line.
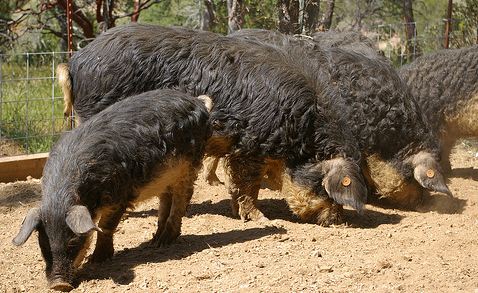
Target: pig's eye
45 246
73 242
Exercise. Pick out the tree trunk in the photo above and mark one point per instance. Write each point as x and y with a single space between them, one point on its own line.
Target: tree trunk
208 16
63 22
329 11
235 21
79 18
135 16
312 12
412 46
301 28
288 16
108 13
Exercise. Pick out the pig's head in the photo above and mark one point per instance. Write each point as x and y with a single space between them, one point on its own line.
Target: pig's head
428 172
341 179
63 237
345 183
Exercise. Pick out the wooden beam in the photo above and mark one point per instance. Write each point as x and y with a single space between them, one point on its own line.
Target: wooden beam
15 168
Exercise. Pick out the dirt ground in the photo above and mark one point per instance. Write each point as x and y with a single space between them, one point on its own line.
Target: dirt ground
383 250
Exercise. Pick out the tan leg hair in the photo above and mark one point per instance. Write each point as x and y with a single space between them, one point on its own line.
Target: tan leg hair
209 170
81 256
390 184
175 188
63 74
463 124
308 206
177 199
217 147
465 120
274 171
244 178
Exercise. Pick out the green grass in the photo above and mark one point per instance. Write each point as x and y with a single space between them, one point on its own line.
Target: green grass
31 103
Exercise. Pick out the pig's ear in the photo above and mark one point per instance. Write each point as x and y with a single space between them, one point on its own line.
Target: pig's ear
79 220
207 102
30 223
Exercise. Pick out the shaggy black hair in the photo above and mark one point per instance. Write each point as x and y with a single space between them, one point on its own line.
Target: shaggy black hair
385 119
253 90
265 108
350 40
445 84
146 145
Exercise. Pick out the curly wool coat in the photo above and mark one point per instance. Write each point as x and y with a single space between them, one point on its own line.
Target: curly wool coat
147 145
445 84
350 40
265 109
399 146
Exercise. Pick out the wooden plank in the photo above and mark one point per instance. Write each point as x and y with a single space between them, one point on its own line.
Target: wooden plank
15 168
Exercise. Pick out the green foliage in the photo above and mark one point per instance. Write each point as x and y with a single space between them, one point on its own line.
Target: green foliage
221 23
466 9
257 14
172 13
5 17
465 23
388 12
31 103
430 10
260 14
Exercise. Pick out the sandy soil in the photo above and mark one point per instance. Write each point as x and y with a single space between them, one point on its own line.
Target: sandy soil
384 250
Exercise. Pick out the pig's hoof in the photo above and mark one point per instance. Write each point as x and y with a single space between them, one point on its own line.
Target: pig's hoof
327 217
97 257
61 286
165 240
104 250
213 180
248 210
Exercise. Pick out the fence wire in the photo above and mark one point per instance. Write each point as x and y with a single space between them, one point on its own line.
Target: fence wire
31 103
428 37
31 117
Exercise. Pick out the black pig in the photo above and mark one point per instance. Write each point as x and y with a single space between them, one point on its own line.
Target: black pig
146 145
400 149
266 113
445 85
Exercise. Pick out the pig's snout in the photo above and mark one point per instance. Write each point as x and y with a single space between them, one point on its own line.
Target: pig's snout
60 284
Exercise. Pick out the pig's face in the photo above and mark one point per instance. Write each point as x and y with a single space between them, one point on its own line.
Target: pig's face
428 172
341 179
63 252
63 239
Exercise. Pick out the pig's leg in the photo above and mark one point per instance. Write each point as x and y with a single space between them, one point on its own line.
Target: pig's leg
172 208
165 203
109 220
210 167
274 171
245 177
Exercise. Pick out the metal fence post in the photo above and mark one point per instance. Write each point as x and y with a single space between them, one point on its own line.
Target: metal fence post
70 47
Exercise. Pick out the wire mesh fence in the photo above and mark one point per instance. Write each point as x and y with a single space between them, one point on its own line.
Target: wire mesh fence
428 37
31 117
31 105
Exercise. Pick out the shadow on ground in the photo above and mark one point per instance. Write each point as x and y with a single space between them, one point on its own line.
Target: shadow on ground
278 209
19 193
121 267
465 173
